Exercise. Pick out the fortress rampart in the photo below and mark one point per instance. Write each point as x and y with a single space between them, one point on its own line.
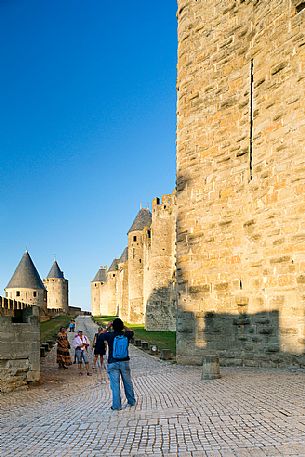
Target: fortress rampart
144 276
19 344
241 182
160 300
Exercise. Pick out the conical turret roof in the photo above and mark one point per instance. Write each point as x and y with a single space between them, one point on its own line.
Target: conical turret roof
114 265
124 256
142 220
100 275
55 272
25 276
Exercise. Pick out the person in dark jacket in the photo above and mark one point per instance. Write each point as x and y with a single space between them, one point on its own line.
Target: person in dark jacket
118 361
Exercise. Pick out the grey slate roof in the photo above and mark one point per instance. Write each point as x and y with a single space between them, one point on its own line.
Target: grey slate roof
55 272
142 220
114 265
100 275
124 256
26 276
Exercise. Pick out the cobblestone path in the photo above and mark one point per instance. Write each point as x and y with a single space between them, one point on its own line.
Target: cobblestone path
247 412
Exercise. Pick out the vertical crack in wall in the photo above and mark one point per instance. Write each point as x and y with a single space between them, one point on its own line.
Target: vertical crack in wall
251 122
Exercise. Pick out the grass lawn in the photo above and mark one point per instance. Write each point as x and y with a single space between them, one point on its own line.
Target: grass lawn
50 328
164 340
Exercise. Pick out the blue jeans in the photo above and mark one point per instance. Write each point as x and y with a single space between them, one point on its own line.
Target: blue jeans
81 355
116 371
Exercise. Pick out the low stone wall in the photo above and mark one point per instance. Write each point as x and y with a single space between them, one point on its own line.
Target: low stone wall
19 345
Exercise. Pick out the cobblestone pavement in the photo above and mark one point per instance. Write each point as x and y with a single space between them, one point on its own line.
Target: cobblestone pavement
247 412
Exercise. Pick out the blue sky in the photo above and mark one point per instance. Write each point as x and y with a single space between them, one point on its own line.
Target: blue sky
87 129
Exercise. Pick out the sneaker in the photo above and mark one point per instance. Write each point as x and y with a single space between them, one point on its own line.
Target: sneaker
115 409
89 374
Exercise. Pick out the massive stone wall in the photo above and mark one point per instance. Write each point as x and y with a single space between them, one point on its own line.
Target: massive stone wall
159 283
19 344
241 181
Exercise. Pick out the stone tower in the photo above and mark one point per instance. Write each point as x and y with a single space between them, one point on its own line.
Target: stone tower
112 276
135 265
122 285
26 285
160 288
57 287
96 284
241 181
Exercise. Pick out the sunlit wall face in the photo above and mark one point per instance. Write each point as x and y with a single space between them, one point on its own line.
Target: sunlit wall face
240 182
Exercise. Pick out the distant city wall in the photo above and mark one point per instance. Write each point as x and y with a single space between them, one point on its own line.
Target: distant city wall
145 286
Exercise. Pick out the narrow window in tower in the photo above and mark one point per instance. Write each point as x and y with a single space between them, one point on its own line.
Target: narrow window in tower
148 234
251 122
34 294
134 238
17 293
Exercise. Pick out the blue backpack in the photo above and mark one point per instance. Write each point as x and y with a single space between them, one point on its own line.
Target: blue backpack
120 347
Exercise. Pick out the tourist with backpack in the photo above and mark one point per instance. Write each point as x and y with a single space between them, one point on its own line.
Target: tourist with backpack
118 361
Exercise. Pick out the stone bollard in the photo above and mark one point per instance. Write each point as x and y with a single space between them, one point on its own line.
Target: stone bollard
42 351
210 367
137 342
165 354
145 345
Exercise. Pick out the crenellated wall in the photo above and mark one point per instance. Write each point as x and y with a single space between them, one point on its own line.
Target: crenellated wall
19 344
145 287
241 181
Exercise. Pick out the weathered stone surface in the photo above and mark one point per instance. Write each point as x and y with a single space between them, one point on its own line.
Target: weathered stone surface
241 180
19 348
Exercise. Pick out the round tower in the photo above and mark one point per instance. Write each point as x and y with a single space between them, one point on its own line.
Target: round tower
112 274
96 284
26 285
122 285
57 287
141 223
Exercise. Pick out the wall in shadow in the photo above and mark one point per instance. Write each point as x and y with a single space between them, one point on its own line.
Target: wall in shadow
251 340
161 309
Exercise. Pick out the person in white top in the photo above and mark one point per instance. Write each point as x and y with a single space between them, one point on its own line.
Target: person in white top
81 344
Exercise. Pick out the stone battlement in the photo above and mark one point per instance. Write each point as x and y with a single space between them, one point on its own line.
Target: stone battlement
19 344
